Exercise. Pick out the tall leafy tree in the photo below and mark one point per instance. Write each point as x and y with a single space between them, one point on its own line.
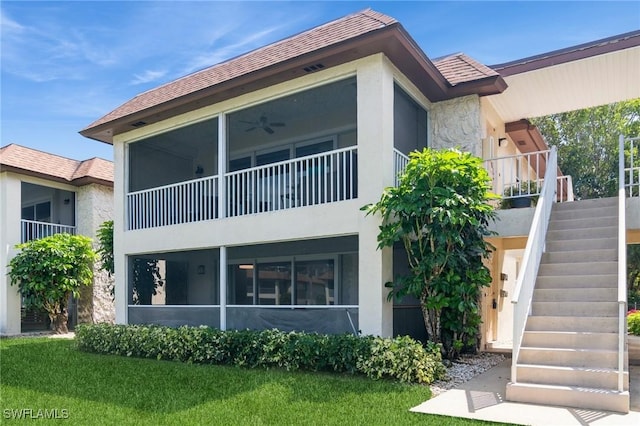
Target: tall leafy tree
440 213
49 270
587 142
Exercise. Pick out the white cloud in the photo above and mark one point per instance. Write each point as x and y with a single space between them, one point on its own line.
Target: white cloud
147 77
8 25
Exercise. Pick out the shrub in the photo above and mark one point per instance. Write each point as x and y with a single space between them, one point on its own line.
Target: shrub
401 358
49 270
633 322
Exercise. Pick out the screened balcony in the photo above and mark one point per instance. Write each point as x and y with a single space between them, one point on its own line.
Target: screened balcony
45 211
295 151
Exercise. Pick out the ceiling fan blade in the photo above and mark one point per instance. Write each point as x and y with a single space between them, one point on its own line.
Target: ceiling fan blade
247 122
250 129
268 130
277 124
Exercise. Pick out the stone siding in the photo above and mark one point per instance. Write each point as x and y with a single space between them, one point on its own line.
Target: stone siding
457 123
94 207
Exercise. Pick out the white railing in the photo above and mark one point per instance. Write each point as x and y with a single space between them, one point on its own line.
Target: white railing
565 189
631 169
183 202
622 261
33 230
316 179
400 161
520 175
525 282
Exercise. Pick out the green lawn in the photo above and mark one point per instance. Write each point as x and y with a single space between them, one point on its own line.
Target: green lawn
42 373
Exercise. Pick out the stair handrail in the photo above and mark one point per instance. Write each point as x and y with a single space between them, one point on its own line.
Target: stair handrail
622 264
525 282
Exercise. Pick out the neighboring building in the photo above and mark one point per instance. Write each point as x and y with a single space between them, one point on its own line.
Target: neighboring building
42 194
241 185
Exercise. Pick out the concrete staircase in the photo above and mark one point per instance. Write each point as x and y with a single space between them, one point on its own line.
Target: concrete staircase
569 352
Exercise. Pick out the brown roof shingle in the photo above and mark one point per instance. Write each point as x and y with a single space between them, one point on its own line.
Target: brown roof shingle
460 68
44 164
308 41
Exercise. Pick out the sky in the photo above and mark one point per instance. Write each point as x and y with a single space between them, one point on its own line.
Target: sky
66 64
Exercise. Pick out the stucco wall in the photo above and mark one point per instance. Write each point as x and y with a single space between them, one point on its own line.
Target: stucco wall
95 206
457 123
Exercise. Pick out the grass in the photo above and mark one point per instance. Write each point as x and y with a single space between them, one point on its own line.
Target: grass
42 373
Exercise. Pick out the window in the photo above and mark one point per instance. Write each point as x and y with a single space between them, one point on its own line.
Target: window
184 278
272 157
274 283
40 212
315 282
409 122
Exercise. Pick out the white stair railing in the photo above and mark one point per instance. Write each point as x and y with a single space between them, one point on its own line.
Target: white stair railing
622 257
526 279
33 230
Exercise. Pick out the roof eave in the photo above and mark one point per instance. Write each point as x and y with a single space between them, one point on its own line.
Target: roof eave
391 40
574 53
82 181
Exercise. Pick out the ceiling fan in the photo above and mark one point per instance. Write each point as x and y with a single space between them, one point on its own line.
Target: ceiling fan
262 123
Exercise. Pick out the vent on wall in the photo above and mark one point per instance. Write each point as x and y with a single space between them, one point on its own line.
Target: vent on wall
312 68
139 124
522 143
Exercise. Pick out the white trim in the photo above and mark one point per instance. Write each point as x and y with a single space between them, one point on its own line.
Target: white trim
173 306
296 306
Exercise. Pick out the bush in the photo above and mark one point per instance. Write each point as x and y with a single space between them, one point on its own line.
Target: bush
401 358
633 322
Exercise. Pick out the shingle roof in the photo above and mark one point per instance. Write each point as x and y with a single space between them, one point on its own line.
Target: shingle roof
460 68
54 166
308 41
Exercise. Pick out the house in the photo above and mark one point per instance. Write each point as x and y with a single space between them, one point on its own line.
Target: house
42 194
238 188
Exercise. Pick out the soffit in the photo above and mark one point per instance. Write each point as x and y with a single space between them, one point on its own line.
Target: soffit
583 83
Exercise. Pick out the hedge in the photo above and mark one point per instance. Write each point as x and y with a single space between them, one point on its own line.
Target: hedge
400 358
633 322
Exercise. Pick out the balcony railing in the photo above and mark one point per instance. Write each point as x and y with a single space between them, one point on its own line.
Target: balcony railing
631 160
191 201
33 230
522 175
317 179
400 161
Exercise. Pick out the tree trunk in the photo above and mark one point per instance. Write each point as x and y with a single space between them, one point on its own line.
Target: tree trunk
59 322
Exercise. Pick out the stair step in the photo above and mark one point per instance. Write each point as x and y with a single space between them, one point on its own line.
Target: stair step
575 294
601 378
563 269
575 309
581 256
577 324
584 223
585 358
578 213
577 281
570 340
582 234
569 396
582 244
587 204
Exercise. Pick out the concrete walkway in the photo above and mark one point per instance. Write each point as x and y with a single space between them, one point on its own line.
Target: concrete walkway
482 398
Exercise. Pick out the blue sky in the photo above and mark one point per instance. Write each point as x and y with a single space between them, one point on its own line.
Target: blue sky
65 64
